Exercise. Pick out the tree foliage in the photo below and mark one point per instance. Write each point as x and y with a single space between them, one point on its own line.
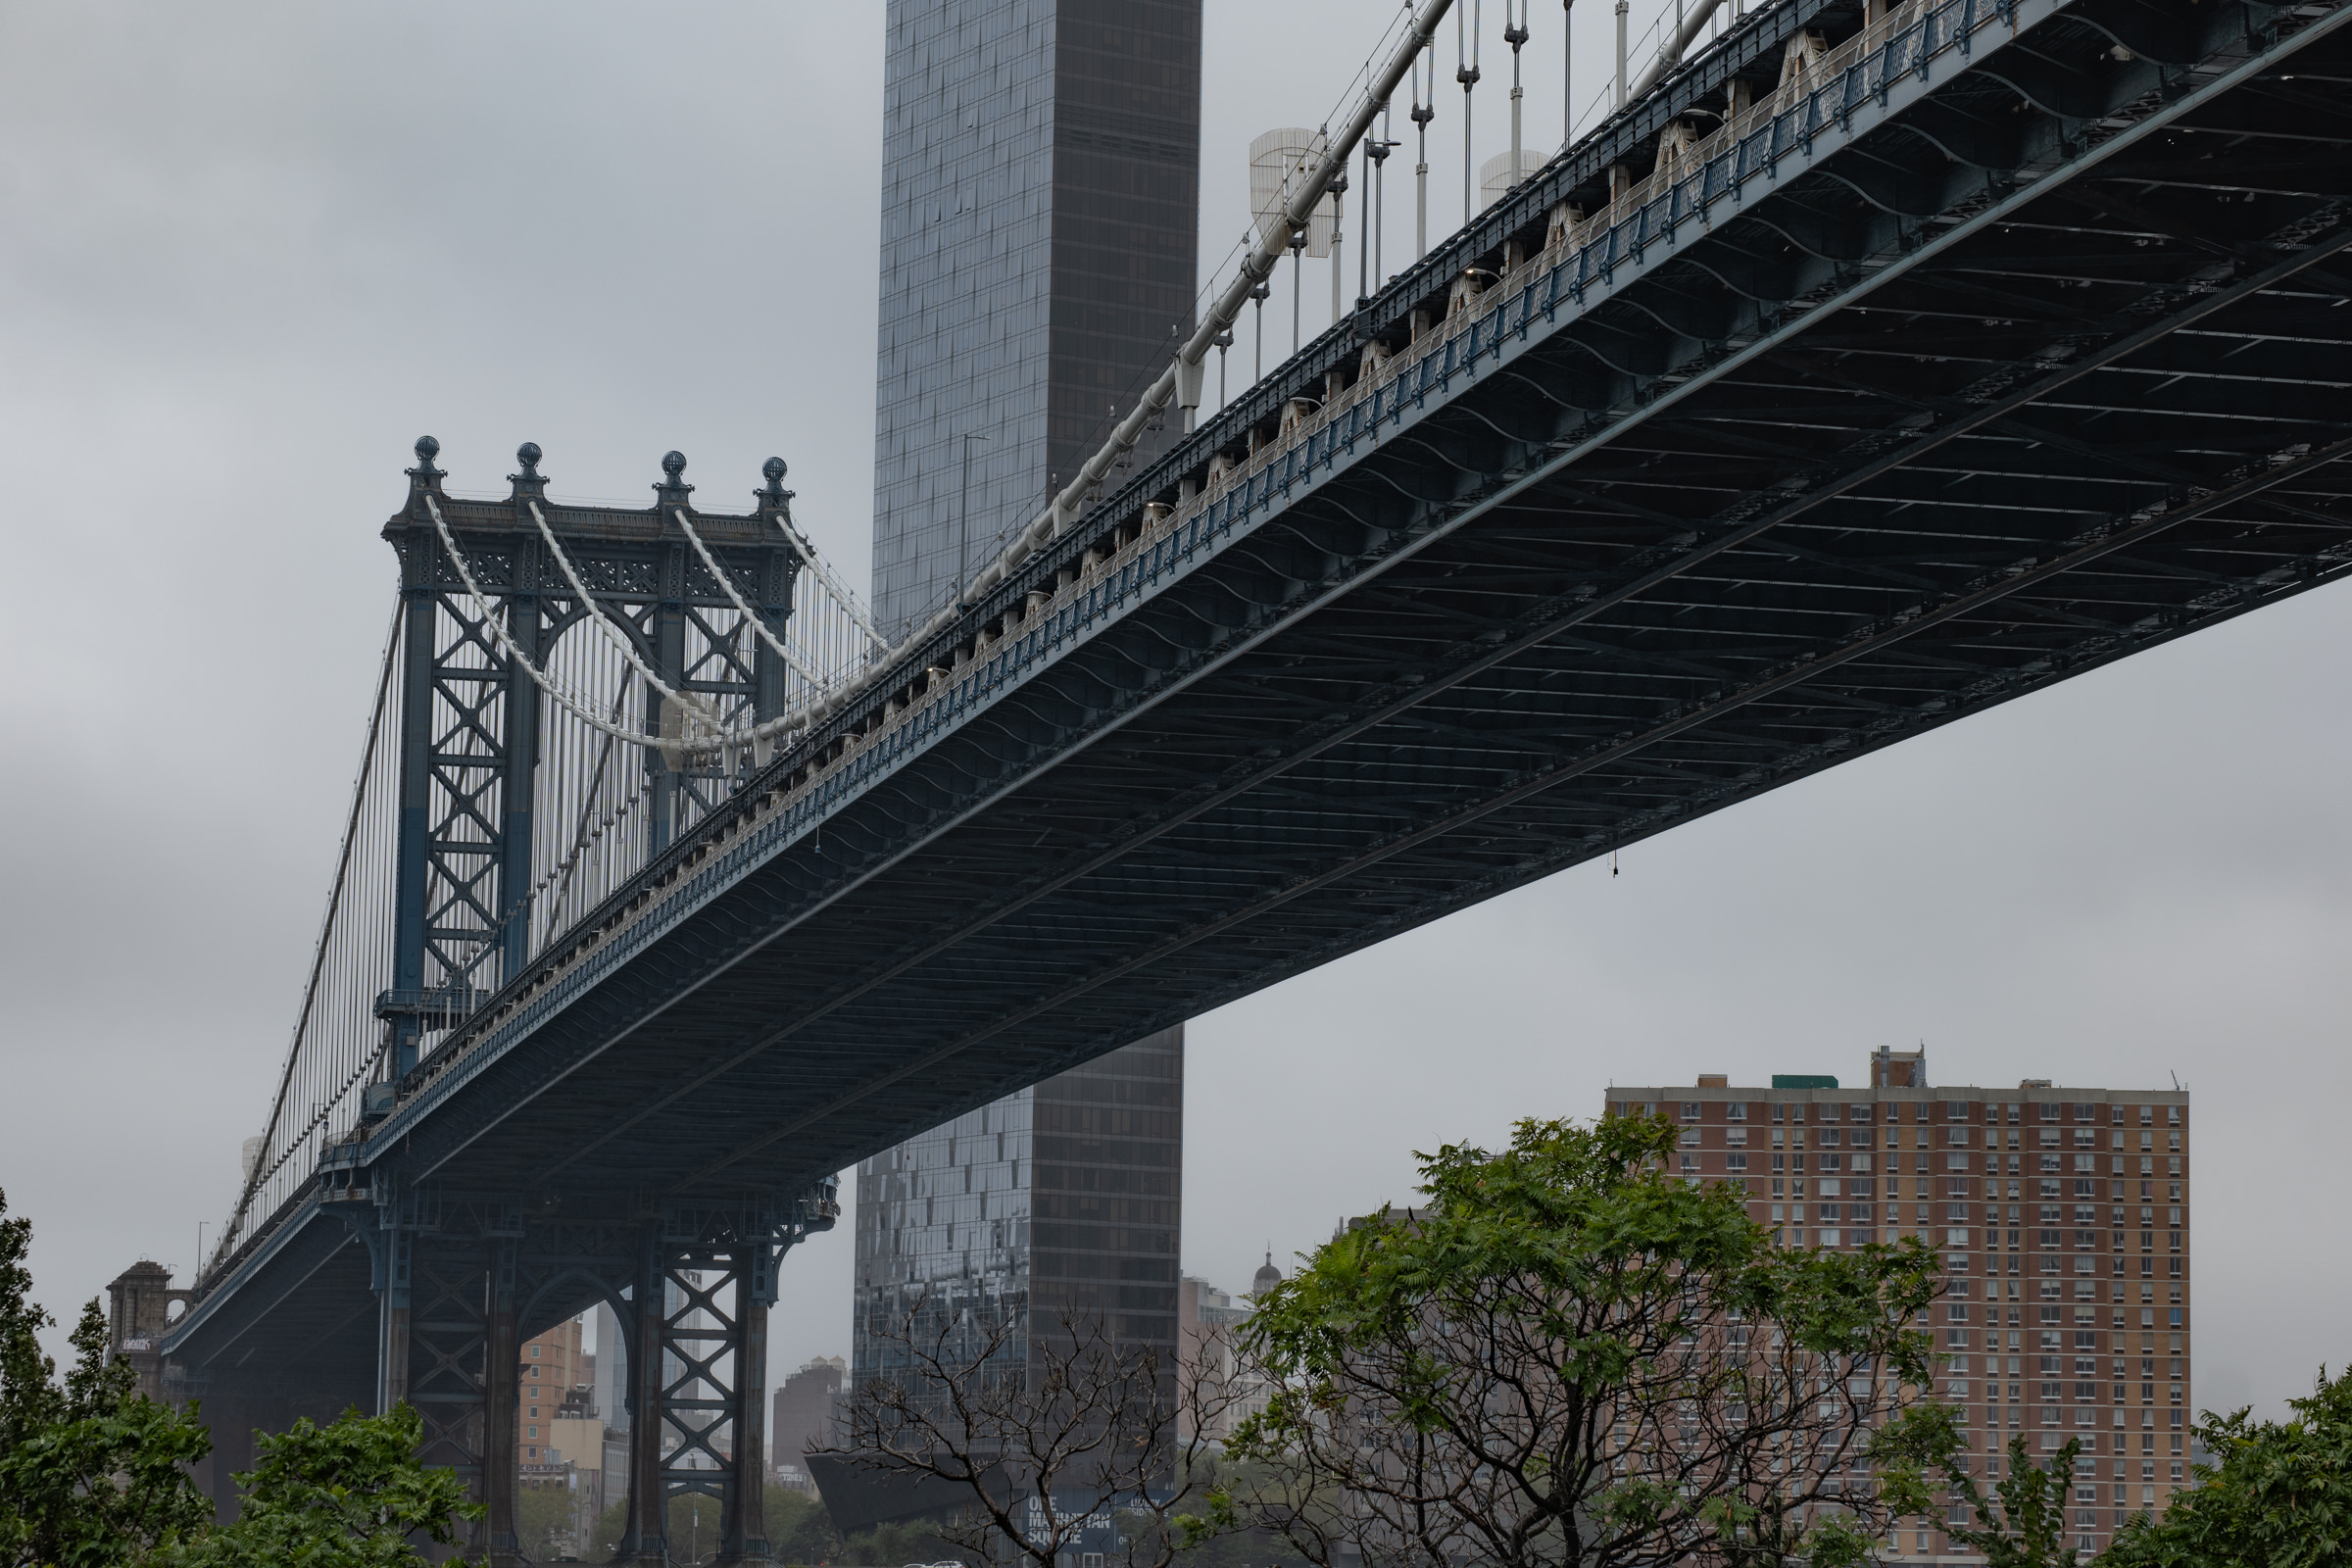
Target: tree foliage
92 1474
2026 1526
1569 1357
799 1530
350 1494
2279 1496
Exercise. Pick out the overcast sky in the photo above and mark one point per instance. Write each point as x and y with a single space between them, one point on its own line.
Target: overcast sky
249 252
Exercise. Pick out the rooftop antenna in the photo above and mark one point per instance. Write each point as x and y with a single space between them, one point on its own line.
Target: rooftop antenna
2175 1083
964 514
1465 72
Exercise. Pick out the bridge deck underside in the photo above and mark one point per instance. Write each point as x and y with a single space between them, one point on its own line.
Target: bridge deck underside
1932 427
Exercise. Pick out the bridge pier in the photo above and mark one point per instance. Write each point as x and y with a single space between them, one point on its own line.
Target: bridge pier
745 1538
502 1453
698 1375
644 1540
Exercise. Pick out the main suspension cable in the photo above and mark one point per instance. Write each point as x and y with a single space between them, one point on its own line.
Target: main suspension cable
801 667
595 613
507 644
719 740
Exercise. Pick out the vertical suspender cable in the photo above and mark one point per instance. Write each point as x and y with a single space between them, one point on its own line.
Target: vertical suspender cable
1339 237
354 826
1363 227
1423 114
1620 57
1515 34
1465 72
1567 71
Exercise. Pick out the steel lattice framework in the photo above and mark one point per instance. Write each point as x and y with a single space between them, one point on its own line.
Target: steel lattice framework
1919 362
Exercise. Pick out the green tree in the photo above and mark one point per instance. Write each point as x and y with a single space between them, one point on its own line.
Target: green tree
2279 1496
1571 1357
2027 1529
544 1522
350 1494
92 1474
798 1529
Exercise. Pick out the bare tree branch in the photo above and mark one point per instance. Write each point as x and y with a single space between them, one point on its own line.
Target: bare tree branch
1049 1438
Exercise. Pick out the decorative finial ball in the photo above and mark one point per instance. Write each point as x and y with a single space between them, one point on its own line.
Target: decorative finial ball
773 468
673 464
527 453
427 449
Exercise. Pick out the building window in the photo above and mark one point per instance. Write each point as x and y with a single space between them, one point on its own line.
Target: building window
1734 1162
1736 1110
1689 1110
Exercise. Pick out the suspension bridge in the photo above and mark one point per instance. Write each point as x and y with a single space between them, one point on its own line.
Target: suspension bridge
1867 368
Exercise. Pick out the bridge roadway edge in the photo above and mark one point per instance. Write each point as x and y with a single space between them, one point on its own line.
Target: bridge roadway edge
699 890
669 913
1487 504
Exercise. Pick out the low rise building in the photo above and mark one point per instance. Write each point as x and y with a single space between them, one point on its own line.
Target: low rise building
554 1365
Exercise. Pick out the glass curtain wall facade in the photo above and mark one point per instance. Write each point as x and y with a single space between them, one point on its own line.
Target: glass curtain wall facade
1064 1199
1039 222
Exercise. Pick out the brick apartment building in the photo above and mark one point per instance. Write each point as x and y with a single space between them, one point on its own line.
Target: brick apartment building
2062 1215
554 1364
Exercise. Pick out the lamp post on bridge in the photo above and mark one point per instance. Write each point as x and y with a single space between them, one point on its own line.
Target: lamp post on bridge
964 520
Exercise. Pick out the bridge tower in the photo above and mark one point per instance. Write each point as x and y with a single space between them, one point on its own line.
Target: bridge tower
503 787
470 717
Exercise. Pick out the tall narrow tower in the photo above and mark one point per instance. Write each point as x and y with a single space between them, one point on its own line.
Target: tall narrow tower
1041 175
1040 220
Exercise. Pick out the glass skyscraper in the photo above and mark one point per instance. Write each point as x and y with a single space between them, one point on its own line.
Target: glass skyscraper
1039 222
1041 182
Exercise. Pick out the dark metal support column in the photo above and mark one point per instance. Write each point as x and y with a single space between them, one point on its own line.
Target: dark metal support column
500 1368
744 1530
778 567
670 652
393 1316
526 624
421 601
644 1540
